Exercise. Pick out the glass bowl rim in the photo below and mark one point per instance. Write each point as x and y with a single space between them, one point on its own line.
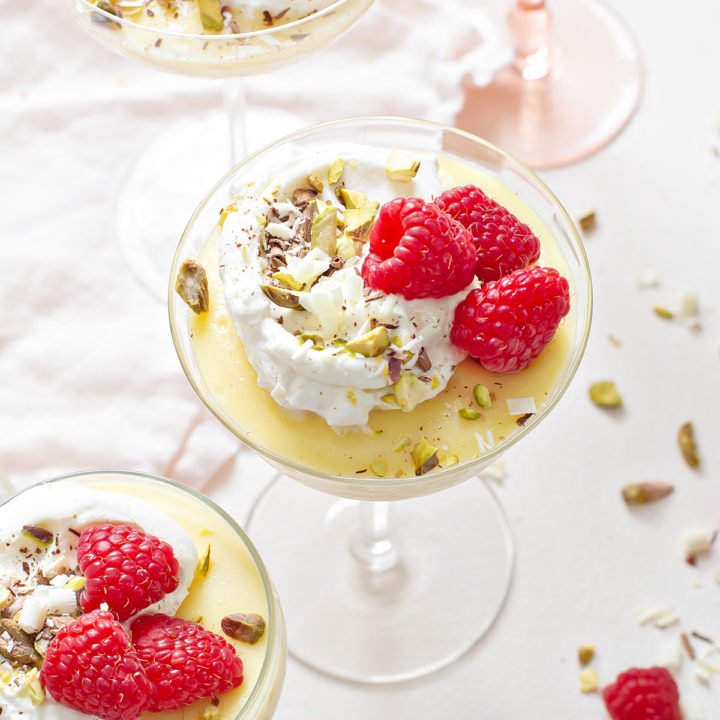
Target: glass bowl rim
213 38
263 678
460 470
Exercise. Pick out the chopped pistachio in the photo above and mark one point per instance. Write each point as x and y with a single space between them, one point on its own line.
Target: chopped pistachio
288 280
75 583
211 15
409 391
425 457
346 247
34 687
318 342
482 396
42 641
389 399
302 196
38 535
352 199
211 712
401 166
246 627
586 653
647 492
335 171
379 468
226 211
468 414
402 444
688 446
315 182
372 343
589 680
449 460
359 221
605 394
587 221
203 567
191 285
16 644
282 297
664 313
323 231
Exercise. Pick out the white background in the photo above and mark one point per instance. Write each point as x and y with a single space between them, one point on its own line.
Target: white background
89 379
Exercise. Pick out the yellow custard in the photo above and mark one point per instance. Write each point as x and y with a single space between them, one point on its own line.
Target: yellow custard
233 584
385 450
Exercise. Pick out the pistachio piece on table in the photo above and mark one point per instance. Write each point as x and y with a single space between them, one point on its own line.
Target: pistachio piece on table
646 492
688 446
191 285
605 394
585 654
248 628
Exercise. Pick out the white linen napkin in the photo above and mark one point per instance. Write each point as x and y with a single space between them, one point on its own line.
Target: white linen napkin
88 375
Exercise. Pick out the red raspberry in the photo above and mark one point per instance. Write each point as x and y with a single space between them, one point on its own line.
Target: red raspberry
183 661
124 568
91 666
417 251
503 243
506 323
640 694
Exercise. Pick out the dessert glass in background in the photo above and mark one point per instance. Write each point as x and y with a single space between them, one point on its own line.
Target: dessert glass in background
175 168
237 582
399 581
574 84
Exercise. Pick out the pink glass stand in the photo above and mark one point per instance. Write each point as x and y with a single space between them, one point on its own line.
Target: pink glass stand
575 83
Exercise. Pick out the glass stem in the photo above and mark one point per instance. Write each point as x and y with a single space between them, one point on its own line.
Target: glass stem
530 23
371 543
235 110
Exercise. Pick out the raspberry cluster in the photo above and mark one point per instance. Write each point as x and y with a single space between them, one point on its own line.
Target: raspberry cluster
434 249
94 666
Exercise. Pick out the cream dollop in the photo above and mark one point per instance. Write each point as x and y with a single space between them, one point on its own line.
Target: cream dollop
282 344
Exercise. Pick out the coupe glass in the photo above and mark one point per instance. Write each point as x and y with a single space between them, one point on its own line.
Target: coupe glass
574 84
386 579
180 501
177 167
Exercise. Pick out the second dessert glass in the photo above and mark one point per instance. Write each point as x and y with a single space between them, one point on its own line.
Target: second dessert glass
175 168
239 575
383 578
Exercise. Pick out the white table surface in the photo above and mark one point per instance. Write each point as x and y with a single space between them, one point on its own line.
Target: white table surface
85 384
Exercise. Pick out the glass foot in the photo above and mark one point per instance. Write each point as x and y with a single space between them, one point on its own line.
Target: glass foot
452 576
590 95
170 178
